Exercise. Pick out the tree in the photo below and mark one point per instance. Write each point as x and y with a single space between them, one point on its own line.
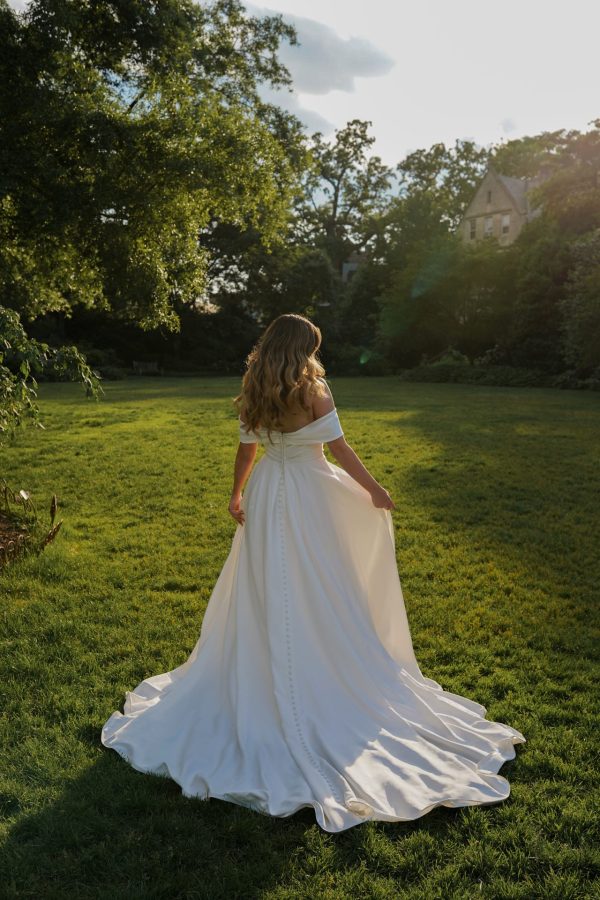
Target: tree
21 359
572 195
581 306
125 129
446 176
540 267
346 191
292 278
448 295
524 157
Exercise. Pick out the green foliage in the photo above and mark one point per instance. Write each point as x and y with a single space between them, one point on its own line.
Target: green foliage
443 177
450 357
345 193
581 305
515 305
436 291
21 359
447 293
539 266
127 129
293 278
124 131
359 307
524 157
496 528
461 372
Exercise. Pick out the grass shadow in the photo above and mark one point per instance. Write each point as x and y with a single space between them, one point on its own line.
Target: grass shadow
115 832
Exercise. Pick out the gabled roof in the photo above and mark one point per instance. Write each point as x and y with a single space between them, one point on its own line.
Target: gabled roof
517 188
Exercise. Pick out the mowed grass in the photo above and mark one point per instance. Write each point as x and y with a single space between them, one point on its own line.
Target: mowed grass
497 524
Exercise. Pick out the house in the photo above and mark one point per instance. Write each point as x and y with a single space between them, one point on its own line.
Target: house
500 207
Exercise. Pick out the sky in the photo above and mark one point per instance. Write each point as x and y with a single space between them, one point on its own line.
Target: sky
424 71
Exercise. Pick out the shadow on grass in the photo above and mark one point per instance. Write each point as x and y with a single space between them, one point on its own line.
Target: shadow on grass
510 491
117 832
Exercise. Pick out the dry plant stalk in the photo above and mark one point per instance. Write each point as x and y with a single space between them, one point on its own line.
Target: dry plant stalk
20 526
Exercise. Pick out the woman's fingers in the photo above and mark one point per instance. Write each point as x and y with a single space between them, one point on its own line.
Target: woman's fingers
237 512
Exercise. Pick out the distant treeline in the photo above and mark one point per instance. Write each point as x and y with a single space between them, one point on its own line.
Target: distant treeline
419 297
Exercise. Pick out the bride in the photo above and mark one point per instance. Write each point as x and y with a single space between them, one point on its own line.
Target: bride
303 688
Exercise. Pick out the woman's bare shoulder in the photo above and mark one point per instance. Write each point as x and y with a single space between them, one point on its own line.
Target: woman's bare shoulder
322 402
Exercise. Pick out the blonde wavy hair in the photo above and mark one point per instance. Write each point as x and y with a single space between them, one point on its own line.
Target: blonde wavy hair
282 372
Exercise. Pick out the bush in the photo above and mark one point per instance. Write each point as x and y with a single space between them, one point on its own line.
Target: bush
572 380
494 376
341 359
494 356
449 357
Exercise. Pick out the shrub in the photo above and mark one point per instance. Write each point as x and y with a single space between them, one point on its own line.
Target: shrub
449 357
494 376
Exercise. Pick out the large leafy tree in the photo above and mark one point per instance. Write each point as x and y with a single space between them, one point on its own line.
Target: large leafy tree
346 192
524 157
447 294
419 295
444 177
571 196
126 128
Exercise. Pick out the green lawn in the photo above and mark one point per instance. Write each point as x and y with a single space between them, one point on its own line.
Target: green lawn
497 524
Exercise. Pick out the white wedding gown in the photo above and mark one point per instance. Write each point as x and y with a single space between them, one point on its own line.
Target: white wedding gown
303 688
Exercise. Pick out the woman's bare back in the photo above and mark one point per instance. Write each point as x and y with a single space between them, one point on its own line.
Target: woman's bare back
296 419
318 405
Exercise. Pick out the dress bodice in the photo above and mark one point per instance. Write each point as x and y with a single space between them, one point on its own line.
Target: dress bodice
303 443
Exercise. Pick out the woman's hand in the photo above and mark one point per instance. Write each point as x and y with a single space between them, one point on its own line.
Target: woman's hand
381 499
235 508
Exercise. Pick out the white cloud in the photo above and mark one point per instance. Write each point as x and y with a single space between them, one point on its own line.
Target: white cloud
322 62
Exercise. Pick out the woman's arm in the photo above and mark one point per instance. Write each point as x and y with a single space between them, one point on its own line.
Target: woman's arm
349 460
244 459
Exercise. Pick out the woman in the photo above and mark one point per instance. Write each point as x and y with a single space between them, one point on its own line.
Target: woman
303 688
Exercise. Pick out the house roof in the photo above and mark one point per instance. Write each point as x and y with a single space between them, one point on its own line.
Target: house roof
517 188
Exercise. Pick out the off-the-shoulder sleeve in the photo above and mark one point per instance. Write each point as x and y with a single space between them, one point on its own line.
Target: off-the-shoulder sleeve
245 436
336 427
327 428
